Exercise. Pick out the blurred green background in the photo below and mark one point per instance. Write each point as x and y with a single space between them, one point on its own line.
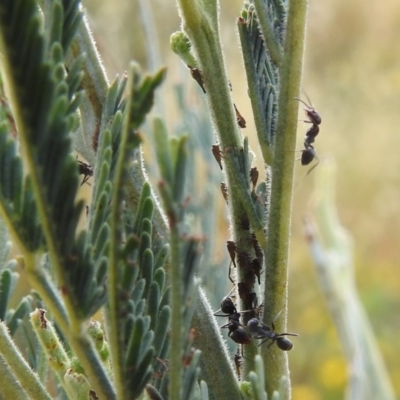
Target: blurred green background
352 76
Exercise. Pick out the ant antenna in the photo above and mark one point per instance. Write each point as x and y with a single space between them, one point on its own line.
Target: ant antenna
302 101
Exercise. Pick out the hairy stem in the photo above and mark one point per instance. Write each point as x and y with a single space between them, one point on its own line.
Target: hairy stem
276 280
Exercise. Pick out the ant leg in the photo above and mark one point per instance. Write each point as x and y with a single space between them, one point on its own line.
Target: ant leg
264 341
84 180
313 166
229 275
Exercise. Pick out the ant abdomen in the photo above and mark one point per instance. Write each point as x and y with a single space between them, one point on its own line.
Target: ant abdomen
308 154
284 344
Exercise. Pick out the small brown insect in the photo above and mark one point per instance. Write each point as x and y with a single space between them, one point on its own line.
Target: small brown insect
257 248
224 191
85 170
256 267
42 318
196 75
254 177
238 365
239 118
217 153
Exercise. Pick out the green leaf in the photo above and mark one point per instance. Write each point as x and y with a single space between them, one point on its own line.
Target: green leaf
161 329
180 170
153 303
6 288
15 317
162 150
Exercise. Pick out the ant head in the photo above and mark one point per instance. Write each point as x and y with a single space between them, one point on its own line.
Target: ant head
253 325
284 344
311 112
227 306
313 116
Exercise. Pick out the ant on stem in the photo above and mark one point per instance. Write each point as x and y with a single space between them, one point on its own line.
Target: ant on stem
309 153
236 333
259 330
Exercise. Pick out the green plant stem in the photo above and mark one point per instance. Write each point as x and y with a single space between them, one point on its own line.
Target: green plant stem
114 270
205 41
249 350
175 275
176 316
276 274
20 368
113 327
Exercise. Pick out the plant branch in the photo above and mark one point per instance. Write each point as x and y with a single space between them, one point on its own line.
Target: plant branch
204 37
276 274
176 313
129 138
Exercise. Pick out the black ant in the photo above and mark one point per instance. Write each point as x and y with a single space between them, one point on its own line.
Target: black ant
259 330
308 154
228 308
236 333
86 170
